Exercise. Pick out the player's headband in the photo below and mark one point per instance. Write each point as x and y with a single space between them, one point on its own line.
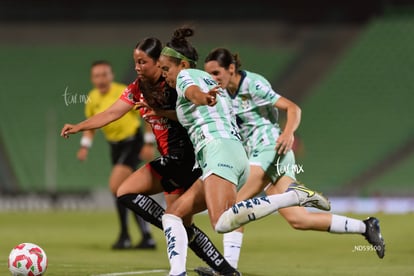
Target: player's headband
170 52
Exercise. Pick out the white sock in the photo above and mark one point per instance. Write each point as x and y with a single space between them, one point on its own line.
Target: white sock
287 199
232 243
341 224
254 209
176 238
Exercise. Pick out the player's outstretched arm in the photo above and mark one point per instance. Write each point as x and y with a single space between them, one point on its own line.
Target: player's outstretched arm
168 113
197 97
114 112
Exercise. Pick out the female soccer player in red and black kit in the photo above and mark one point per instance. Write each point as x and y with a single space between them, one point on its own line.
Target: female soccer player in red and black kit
174 145
173 172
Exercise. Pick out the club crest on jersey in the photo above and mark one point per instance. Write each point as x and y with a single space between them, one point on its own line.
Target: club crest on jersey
245 103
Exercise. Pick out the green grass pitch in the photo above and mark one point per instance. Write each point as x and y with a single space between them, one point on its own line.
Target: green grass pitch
78 243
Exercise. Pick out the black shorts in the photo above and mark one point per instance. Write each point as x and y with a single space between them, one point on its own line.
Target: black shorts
126 152
176 172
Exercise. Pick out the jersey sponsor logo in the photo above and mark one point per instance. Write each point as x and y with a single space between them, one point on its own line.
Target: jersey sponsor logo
209 81
261 85
271 96
266 88
158 123
224 165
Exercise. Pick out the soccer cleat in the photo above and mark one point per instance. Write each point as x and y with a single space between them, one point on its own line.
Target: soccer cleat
310 198
207 271
122 243
146 244
373 235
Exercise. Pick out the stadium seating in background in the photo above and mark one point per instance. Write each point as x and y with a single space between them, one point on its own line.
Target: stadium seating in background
352 122
46 87
362 112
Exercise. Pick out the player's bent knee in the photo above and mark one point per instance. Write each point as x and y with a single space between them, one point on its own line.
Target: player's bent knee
121 191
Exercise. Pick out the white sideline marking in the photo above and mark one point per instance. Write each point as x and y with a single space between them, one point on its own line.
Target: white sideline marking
132 272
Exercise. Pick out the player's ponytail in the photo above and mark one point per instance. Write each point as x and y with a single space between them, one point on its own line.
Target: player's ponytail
180 36
236 61
182 46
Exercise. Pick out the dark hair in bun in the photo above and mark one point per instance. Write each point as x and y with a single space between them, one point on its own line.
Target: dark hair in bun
180 43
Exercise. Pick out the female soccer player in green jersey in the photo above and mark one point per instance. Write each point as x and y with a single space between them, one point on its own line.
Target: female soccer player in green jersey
270 152
173 171
206 112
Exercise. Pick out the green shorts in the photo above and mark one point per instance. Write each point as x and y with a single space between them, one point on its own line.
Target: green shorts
225 158
274 165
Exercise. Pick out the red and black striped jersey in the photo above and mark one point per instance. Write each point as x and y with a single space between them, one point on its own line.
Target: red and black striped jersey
171 136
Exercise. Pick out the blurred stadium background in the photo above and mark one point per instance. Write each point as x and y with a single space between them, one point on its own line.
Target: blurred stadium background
348 66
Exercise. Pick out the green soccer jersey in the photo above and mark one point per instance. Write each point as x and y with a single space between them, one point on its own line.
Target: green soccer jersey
204 123
257 117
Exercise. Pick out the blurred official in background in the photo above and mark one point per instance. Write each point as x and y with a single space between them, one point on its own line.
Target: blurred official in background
127 144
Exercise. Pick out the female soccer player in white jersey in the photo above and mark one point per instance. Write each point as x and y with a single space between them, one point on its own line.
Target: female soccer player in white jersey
206 112
270 152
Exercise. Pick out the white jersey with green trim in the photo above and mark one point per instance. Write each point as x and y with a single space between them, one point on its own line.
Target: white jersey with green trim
256 115
204 123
